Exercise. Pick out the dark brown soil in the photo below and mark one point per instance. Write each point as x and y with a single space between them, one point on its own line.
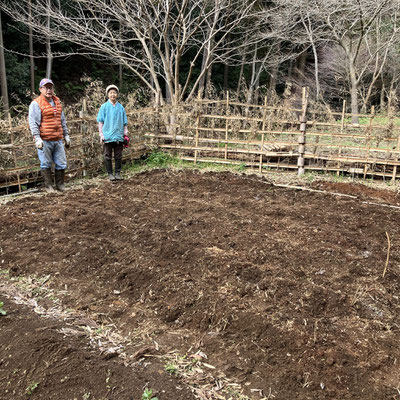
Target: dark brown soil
273 292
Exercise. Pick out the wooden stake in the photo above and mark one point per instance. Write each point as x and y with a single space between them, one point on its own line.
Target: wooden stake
387 256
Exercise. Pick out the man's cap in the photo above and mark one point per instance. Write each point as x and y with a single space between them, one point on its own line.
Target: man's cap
45 81
109 87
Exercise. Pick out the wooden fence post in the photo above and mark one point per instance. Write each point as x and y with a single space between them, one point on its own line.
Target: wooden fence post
263 134
196 143
226 125
341 132
391 126
157 118
368 141
302 137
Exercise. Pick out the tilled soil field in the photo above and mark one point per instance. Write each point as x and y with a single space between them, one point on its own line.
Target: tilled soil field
201 285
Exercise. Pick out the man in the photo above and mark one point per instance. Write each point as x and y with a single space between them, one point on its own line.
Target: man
48 126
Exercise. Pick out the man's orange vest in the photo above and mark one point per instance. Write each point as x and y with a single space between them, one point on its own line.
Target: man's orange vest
50 127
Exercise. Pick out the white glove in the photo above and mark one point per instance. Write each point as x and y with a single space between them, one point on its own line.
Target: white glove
39 143
101 124
67 142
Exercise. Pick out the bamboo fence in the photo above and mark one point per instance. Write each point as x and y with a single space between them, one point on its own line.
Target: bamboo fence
264 137
259 137
19 164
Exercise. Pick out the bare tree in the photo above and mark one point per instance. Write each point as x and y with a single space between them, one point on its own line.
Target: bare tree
378 48
147 37
346 23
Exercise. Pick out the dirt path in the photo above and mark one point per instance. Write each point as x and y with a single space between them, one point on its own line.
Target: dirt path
265 291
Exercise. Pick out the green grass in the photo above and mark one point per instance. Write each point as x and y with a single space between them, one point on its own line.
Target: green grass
159 159
31 388
2 311
377 120
147 395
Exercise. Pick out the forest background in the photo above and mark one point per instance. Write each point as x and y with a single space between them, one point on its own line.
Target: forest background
171 51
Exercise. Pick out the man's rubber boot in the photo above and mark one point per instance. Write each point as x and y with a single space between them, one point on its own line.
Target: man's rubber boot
60 173
48 180
118 164
109 169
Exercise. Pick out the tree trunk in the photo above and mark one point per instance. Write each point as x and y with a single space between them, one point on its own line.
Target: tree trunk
31 60
301 66
3 75
49 54
273 78
257 88
316 73
226 74
254 71
354 94
202 83
120 65
205 79
382 94
208 80
239 84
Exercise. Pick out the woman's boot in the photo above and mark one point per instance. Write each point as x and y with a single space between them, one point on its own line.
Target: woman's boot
118 164
108 164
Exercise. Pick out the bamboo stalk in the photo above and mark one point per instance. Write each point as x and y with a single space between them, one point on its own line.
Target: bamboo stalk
302 137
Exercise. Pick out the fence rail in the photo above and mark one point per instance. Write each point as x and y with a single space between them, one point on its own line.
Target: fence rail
224 131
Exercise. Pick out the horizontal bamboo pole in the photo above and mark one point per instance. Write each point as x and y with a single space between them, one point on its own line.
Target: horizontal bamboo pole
212 140
294 121
266 142
283 132
279 107
352 160
310 155
280 165
230 151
